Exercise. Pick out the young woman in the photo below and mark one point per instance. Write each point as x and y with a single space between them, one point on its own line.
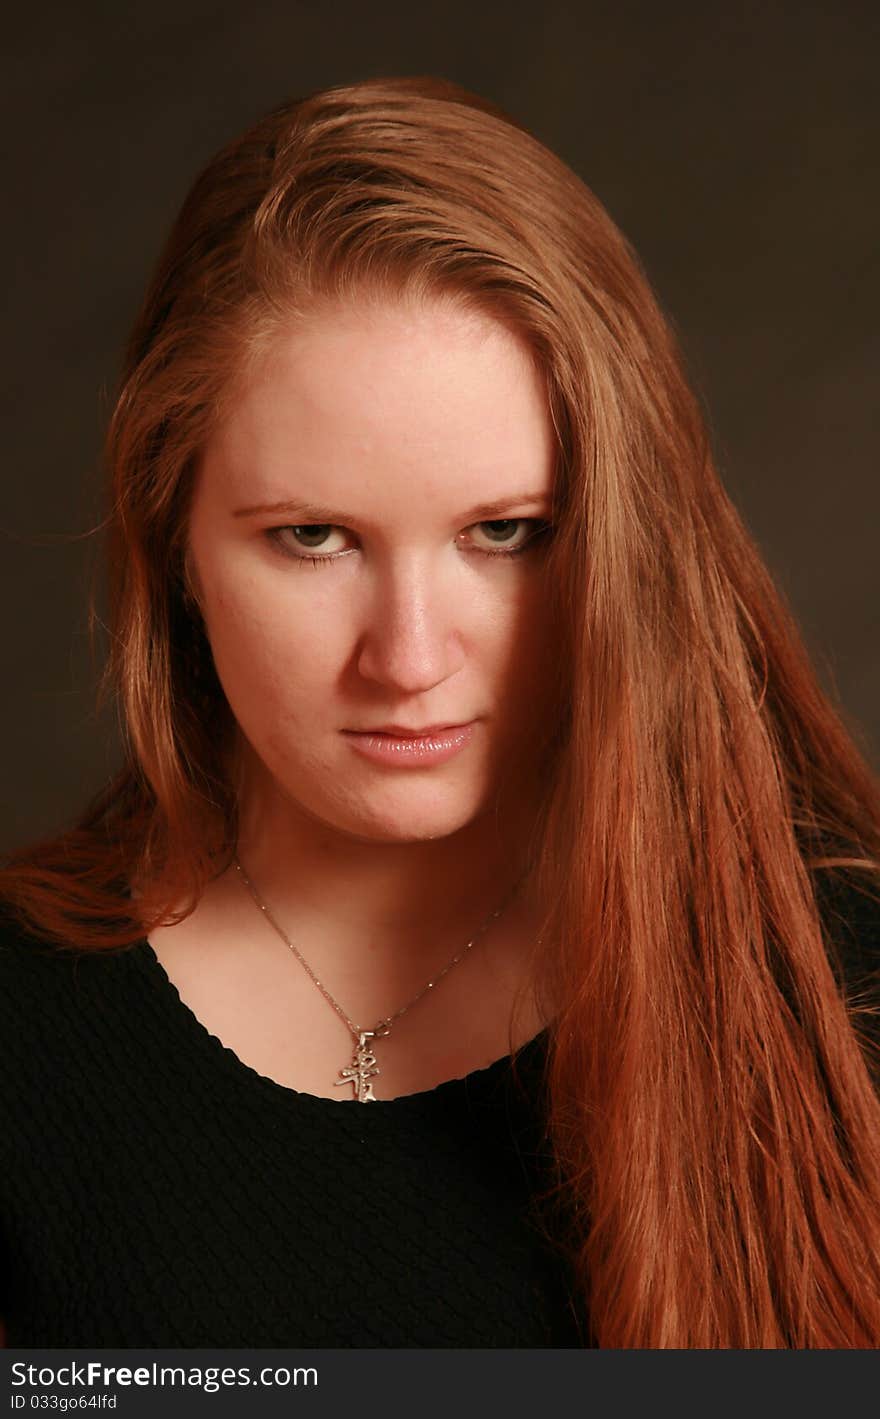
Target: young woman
474 770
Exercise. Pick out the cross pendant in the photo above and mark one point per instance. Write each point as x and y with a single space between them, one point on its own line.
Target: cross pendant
361 1071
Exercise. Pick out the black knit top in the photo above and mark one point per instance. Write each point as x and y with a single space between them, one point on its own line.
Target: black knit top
156 1191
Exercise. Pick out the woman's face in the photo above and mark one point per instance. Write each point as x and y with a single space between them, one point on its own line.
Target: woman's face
376 437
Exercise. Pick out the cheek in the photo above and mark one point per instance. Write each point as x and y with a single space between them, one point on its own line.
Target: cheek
270 651
531 634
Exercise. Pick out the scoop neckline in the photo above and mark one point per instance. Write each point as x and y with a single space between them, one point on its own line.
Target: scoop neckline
476 1079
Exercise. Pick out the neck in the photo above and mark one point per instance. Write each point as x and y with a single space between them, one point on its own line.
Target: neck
329 881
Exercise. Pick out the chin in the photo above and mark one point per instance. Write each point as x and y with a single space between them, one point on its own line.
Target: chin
407 820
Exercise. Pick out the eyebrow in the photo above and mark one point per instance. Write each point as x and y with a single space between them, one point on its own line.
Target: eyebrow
311 512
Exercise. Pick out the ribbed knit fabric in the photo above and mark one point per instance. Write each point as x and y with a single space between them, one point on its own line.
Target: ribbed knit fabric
156 1191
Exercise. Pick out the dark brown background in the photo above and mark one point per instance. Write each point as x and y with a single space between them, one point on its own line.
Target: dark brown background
736 146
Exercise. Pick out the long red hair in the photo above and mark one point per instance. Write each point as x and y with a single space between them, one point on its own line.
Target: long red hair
714 1119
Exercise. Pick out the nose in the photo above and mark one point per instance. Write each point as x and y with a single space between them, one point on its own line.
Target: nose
412 628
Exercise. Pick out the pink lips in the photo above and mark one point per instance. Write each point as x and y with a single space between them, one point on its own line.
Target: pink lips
412 750
402 731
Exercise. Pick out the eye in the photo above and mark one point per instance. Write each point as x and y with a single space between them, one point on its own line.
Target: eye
309 541
312 542
510 535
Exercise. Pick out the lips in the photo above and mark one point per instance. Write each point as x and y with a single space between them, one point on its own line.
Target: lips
401 731
412 749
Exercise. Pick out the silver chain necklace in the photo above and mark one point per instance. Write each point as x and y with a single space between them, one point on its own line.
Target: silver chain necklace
363 1068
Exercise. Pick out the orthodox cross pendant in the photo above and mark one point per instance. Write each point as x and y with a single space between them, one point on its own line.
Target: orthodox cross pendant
361 1070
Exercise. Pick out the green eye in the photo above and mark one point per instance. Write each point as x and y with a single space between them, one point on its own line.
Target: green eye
317 531
501 526
501 537
534 528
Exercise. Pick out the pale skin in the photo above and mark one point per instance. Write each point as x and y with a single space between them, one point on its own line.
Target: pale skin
383 426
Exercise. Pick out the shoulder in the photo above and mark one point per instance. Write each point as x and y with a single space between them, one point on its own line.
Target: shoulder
36 977
35 1023
46 985
74 1027
26 959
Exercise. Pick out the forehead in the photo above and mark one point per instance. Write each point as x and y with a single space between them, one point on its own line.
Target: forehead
429 400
